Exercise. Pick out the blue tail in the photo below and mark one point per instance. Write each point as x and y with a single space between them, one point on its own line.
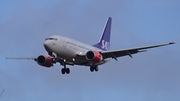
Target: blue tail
104 42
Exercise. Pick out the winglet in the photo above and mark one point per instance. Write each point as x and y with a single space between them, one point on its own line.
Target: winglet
2 92
171 42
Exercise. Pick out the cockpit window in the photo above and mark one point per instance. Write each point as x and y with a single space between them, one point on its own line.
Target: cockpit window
51 39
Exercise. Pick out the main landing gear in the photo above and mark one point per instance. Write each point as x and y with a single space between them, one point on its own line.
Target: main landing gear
94 68
65 70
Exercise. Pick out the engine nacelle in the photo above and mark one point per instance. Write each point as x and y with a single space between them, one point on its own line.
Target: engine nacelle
44 60
93 56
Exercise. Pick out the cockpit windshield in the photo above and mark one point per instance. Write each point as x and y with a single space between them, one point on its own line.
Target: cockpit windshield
51 39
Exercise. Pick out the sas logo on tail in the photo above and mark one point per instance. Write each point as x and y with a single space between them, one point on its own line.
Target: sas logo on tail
105 45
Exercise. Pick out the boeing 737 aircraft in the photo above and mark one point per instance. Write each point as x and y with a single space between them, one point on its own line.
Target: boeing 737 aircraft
67 51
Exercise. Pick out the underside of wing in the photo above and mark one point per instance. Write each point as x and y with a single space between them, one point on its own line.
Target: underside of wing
119 53
81 59
43 60
22 58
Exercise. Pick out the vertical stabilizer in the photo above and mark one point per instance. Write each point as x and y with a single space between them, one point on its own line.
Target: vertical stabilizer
104 42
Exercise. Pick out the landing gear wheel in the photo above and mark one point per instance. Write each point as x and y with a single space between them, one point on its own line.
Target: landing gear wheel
96 68
91 68
67 70
63 70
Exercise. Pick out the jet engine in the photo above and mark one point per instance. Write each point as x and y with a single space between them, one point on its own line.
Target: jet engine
44 60
93 56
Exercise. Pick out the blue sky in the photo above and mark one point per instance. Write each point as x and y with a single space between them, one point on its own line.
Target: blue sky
150 76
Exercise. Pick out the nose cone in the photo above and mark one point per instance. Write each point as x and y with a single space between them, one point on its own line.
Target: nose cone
47 46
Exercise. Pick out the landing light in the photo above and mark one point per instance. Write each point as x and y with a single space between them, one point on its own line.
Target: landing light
73 59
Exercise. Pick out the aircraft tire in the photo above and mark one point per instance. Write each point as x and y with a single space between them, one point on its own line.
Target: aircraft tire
96 68
63 71
67 70
91 68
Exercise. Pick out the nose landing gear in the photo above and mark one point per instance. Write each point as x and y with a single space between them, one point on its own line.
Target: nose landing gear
62 62
65 70
52 54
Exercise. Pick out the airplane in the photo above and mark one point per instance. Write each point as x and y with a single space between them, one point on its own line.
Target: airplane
68 51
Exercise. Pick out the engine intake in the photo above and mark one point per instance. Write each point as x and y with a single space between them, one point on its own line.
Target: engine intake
44 60
93 56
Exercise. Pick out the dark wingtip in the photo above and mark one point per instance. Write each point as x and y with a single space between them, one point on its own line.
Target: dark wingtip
171 42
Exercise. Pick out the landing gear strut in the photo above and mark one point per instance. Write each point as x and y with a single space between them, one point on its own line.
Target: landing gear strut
94 68
51 54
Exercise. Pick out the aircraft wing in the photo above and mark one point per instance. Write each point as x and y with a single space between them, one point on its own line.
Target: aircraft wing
119 53
26 58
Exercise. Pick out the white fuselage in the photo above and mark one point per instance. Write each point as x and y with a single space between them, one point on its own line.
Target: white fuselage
69 49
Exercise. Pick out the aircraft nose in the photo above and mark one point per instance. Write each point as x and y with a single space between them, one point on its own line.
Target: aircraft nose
47 45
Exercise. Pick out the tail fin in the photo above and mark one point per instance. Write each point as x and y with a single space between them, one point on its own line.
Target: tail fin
104 42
